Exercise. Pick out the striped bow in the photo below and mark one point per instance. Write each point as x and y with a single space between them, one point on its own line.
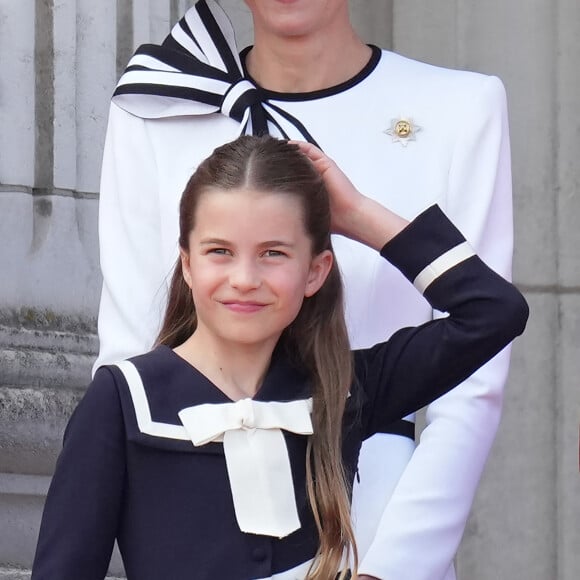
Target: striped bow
197 71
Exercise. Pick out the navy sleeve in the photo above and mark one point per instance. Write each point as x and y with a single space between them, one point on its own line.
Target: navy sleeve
81 514
419 364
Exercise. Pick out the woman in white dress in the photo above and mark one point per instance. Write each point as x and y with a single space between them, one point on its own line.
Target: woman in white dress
436 135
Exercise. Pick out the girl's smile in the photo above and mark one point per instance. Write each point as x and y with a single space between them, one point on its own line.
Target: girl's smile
243 307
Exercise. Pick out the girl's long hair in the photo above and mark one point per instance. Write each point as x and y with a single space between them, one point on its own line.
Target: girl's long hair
317 339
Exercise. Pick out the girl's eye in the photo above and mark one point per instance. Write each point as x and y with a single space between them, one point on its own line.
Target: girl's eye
273 253
219 251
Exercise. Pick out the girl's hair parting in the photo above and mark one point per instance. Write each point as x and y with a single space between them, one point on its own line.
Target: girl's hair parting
317 339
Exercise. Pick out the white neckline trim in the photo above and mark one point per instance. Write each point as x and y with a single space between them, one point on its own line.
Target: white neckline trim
141 405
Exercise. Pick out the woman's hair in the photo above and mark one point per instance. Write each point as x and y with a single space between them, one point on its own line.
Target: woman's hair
317 339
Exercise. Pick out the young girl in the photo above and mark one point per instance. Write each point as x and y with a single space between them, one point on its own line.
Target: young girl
229 451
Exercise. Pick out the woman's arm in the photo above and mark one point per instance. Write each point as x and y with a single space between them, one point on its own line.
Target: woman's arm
132 297
424 520
431 503
81 514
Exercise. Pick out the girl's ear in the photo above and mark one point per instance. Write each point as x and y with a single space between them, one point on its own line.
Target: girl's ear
185 270
319 269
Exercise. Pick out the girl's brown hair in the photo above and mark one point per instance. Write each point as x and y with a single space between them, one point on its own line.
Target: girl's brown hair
317 337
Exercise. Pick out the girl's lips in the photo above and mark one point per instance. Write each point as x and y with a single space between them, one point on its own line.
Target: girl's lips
244 307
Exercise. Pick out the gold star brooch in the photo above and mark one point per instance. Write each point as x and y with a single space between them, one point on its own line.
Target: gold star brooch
403 130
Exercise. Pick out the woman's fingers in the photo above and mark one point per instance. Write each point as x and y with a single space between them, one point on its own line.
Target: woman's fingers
310 150
321 161
345 199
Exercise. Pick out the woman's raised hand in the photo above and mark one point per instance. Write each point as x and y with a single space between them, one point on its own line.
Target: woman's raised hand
353 214
345 199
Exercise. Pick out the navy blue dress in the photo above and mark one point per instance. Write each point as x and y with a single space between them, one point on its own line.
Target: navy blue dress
169 503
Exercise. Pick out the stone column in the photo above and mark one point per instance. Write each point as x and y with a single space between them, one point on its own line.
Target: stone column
58 74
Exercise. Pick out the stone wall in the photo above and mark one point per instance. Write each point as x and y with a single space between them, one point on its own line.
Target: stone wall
60 60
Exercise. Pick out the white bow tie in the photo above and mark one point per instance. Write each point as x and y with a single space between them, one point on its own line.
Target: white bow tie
256 457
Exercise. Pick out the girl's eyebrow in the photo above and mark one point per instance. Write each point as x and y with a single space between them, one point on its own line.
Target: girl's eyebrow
214 241
276 243
268 243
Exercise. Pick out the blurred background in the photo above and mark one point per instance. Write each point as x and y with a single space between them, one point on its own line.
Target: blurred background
59 62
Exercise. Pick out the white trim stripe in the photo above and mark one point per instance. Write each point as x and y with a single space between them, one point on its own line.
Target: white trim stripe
151 63
180 36
143 413
209 51
441 265
171 79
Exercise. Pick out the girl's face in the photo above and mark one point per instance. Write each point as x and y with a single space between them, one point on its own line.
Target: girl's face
287 18
250 265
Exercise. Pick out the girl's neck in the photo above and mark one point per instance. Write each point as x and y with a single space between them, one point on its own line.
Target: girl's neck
306 64
238 370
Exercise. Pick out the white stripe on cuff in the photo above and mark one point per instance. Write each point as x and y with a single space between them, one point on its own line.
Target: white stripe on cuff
441 265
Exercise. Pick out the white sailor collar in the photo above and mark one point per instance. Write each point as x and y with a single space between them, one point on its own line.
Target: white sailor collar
251 431
166 384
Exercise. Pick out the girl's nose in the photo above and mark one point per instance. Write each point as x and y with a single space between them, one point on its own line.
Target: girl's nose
245 276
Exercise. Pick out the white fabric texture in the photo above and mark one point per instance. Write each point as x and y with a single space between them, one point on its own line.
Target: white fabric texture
256 457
